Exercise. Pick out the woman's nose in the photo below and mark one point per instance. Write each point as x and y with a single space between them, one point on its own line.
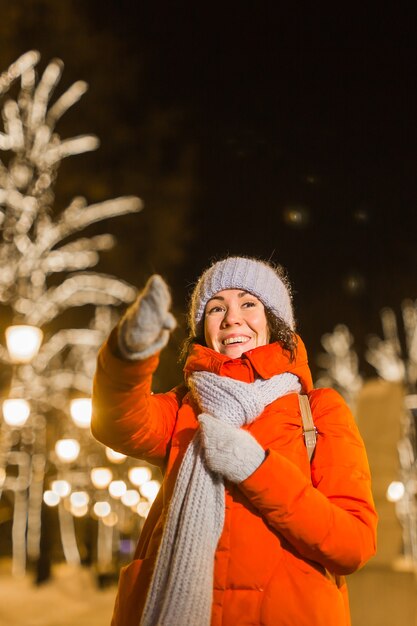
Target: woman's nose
231 317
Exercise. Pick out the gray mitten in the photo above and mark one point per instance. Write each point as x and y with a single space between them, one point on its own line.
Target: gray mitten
145 327
228 450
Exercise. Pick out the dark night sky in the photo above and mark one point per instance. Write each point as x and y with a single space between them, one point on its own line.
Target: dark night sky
284 110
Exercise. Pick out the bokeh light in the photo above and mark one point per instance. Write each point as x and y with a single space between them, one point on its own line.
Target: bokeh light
67 450
395 491
101 477
115 457
23 342
139 475
117 488
15 411
150 489
80 409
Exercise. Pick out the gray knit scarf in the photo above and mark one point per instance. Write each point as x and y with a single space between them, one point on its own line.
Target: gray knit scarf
181 589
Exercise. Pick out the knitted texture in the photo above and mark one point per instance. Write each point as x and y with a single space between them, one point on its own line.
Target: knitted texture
229 451
256 277
146 326
181 589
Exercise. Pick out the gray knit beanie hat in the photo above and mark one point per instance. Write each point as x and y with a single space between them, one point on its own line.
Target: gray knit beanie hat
257 277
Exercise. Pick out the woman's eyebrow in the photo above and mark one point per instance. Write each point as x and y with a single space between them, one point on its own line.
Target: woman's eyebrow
215 298
239 295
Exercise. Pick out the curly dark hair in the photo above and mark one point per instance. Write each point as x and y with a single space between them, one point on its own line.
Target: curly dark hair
279 332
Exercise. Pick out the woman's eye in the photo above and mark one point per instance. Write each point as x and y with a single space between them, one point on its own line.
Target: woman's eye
249 304
215 309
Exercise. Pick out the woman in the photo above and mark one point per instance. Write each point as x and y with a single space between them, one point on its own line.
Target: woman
244 530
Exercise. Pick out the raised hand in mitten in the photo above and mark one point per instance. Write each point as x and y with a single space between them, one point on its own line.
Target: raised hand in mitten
145 327
228 450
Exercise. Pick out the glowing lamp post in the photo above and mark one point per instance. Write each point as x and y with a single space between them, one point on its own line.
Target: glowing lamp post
23 342
15 412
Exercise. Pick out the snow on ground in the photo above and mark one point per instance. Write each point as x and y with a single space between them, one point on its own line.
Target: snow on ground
70 598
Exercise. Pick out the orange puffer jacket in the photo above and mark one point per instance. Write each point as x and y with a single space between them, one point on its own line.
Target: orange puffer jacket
291 531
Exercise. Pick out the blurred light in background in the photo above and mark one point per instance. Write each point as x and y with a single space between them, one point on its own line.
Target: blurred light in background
142 509
61 487
16 411
67 450
139 475
51 498
115 457
23 342
117 488
150 489
130 498
80 409
297 215
101 477
111 519
79 499
102 509
395 491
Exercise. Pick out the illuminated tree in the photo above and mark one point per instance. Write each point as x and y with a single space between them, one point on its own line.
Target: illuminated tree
340 364
394 356
45 272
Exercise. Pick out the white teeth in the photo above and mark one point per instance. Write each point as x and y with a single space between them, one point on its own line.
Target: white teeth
230 340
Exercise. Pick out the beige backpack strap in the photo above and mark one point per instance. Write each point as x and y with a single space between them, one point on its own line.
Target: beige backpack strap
310 431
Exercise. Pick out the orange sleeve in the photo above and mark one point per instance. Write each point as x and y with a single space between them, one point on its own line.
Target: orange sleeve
331 518
126 415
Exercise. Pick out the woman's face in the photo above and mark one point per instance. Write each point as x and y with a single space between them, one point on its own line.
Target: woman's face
235 322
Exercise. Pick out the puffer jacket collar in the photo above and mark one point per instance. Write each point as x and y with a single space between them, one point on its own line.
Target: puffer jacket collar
263 362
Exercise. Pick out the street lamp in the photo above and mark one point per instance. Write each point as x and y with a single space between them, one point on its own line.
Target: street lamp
23 342
15 411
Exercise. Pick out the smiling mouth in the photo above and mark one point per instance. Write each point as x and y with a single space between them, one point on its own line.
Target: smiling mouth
232 340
